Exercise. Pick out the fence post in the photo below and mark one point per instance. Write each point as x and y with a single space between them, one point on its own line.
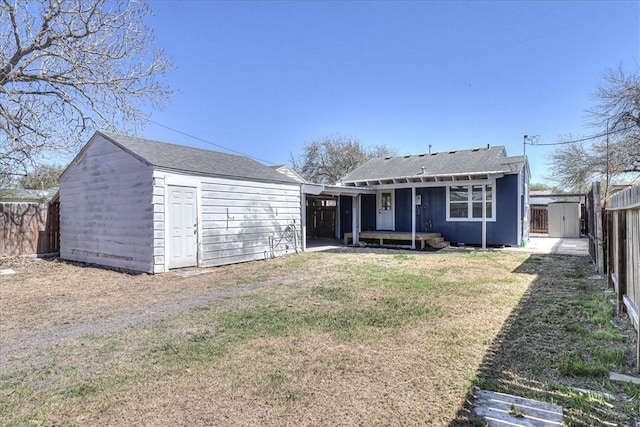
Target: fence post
597 212
608 225
622 259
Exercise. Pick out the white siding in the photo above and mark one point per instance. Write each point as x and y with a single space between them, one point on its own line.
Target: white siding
243 220
106 210
158 202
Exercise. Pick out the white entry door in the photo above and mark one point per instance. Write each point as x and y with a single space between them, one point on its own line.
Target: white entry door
386 218
183 227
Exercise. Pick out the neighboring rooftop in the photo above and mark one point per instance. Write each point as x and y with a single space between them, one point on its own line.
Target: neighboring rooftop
195 160
29 195
288 171
451 165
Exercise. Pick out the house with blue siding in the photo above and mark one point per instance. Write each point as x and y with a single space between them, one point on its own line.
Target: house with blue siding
472 197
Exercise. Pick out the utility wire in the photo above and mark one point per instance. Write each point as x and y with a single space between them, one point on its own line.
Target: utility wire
588 138
210 143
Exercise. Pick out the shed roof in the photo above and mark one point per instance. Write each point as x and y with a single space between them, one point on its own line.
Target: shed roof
196 160
441 166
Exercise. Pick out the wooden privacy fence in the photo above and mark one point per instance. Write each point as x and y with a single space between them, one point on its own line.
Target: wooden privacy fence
539 219
594 230
321 218
29 228
623 254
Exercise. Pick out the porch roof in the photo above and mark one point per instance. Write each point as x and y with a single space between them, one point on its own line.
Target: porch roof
455 165
333 190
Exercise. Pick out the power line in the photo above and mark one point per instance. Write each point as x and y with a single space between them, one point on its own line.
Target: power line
210 143
587 138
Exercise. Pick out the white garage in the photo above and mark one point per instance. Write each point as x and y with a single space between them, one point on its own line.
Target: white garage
150 206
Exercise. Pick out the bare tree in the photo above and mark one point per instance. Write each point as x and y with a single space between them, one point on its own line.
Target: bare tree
68 67
575 167
325 161
616 152
44 176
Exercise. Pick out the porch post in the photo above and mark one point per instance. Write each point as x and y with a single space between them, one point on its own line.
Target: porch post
413 217
303 220
355 214
484 216
337 223
520 197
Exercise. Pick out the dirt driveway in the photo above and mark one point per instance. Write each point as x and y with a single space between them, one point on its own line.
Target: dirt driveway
50 303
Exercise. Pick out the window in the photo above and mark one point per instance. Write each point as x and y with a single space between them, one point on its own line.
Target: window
464 202
459 201
386 201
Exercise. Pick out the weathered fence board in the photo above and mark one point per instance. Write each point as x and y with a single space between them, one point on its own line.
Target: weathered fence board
29 228
595 232
623 220
539 219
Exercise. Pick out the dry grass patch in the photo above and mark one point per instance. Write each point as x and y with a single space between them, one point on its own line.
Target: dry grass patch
317 339
564 336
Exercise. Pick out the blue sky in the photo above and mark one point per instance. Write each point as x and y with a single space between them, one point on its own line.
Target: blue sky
266 78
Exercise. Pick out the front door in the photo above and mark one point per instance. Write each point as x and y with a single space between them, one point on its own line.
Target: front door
183 227
385 210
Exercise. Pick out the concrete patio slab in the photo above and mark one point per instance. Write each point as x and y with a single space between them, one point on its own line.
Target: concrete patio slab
500 409
555 245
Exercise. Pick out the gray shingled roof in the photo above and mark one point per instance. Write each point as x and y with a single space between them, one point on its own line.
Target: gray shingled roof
22 194
196 160
460 162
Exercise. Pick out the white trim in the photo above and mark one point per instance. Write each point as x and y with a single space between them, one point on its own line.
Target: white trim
379 209
520 196
484 217
303 220
428 184
312 189
335 190
167 231
425 179
470 202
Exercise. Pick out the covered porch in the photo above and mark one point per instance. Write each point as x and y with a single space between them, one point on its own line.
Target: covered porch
360 204
435 240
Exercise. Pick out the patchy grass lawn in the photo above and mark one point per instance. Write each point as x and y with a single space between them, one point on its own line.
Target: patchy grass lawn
355 337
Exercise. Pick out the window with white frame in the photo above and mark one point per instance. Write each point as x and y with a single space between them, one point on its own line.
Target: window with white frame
464 202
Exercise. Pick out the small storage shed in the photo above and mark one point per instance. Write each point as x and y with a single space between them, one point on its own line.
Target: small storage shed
564 219
150 206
